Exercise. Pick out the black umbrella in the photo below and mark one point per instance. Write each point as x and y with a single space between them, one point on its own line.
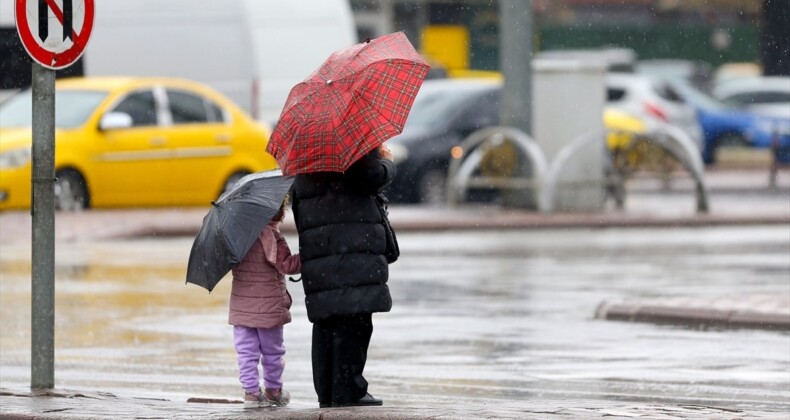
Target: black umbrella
233 224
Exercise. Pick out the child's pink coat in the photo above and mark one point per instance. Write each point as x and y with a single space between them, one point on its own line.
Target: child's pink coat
259 298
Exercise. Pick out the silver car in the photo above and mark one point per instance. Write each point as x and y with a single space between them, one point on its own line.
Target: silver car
652 99
768 96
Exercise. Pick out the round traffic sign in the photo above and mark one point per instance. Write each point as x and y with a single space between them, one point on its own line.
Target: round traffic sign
54 32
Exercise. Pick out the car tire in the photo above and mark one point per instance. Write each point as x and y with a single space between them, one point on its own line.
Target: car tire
232 180
71 191
432 187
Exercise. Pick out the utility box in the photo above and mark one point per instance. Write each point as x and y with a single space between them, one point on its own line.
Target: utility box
568 103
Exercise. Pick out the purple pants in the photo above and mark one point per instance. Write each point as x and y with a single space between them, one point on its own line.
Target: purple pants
260 345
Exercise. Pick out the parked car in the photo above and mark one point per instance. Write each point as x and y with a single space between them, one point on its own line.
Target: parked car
724 125
737 70
123 142
622 127
652 99
763 95
698 73
444 113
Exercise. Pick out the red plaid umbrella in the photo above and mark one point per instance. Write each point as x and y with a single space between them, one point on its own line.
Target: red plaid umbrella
358 99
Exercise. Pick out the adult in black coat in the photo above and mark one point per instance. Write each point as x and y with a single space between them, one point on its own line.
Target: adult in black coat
344 272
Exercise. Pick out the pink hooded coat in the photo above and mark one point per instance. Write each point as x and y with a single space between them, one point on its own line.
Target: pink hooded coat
259 298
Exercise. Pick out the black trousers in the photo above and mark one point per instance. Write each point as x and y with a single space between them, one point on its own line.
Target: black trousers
340 350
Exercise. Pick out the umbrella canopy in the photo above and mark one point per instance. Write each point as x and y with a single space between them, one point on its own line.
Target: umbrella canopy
356 100
233 224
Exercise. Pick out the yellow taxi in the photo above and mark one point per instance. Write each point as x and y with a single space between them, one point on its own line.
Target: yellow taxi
133 142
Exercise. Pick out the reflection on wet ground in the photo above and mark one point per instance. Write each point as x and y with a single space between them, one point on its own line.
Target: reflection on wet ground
477 316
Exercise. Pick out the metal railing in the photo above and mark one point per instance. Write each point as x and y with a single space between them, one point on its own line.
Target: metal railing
463 172
543 179
678 146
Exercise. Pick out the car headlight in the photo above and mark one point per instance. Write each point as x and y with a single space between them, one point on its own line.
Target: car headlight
14 158
399 152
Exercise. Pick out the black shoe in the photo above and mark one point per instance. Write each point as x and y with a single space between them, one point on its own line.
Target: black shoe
367 400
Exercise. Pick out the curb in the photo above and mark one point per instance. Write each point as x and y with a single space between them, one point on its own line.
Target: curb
696 316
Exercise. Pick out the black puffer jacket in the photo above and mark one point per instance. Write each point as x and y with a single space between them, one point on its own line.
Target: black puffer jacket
341 239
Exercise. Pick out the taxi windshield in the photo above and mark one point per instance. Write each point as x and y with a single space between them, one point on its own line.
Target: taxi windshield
72 108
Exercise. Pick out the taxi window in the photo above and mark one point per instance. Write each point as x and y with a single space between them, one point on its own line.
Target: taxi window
215 113
614 94
140 106
187 108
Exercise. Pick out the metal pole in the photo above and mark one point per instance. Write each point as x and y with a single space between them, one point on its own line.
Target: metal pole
516 32
42 360
515 62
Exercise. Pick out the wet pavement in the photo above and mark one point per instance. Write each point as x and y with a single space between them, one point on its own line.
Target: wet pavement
486 323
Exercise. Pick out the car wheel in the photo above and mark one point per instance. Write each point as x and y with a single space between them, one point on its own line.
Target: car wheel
432 187
232 180
71 192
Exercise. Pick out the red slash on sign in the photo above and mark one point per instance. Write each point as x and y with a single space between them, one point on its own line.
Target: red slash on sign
54 52
68 29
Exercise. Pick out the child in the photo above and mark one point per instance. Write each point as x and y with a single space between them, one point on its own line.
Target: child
259 307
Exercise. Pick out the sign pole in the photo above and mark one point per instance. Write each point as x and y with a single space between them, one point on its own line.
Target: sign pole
42 360
54 42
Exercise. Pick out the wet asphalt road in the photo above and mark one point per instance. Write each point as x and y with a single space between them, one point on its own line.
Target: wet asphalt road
479 318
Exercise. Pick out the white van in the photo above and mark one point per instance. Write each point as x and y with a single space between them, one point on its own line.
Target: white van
253 51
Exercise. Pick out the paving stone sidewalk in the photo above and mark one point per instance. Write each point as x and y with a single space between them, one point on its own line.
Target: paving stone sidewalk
68 404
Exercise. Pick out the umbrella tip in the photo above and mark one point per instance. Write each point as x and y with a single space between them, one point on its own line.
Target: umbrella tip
213 203
367 40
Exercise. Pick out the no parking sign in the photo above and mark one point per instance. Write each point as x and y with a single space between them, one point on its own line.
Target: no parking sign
54 32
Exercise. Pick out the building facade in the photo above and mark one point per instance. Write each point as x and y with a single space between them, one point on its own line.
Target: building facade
712 31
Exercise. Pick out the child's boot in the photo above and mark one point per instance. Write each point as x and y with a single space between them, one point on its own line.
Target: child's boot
254 400
278 397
